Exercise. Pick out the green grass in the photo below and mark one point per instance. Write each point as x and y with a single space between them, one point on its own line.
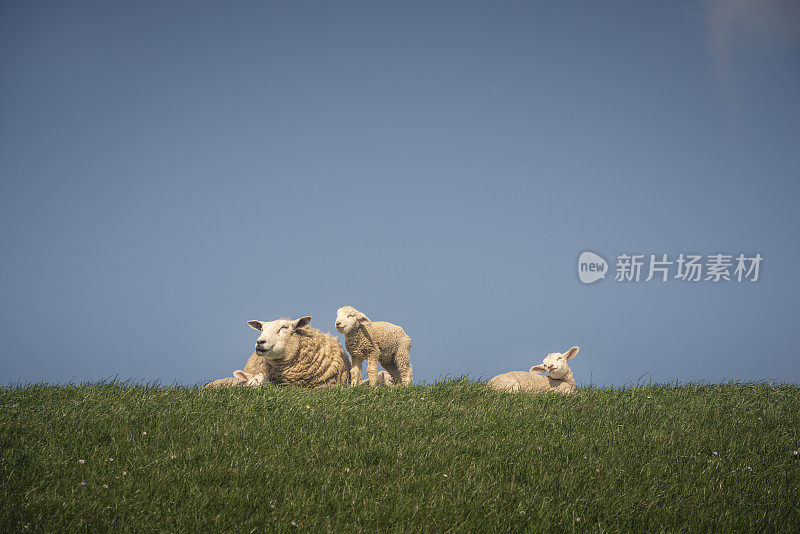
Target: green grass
452 456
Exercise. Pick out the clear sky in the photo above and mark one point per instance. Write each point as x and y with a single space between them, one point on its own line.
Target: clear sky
170 170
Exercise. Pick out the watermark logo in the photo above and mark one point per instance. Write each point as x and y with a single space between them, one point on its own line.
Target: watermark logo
684 267
591 267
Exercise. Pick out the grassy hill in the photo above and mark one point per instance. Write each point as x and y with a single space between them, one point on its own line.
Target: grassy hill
452 456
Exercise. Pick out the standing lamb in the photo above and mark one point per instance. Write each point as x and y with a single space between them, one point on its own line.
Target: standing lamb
293 353
378 342
239 378
560 377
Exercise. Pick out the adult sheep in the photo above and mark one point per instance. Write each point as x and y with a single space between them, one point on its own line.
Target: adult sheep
293 353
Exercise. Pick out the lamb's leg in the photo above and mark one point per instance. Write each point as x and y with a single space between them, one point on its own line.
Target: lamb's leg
402 359
372 371
355 372
391 368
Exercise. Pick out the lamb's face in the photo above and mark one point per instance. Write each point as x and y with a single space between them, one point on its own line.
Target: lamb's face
347 319
275 335
556 363
247 379
257 379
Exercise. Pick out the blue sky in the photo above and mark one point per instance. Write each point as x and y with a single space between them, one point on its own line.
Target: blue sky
171 170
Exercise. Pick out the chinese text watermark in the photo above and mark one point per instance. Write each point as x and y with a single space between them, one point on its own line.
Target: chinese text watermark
682 267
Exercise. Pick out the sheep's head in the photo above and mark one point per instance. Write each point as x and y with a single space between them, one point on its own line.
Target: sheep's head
348 318
275 335
555 364
248 379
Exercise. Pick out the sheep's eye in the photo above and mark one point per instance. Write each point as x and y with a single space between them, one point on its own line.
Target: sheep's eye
351 315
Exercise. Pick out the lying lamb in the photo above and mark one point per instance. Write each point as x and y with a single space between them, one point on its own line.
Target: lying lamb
239 378
378 342
560 377
293 353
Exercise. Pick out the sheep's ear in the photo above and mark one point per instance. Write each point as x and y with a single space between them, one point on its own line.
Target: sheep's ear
241 375
363 319
302 321
571 353
538 369
255 325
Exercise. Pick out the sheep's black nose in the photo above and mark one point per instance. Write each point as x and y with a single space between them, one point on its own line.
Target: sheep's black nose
260 342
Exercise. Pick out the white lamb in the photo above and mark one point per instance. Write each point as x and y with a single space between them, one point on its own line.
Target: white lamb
239 378
379 342
249 379
558 379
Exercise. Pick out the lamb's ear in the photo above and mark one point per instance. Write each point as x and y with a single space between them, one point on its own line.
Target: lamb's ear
241 375
302 321
571 353
255 325
363 319
538 369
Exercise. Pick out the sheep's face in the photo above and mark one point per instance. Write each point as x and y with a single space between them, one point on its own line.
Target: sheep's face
348 318
275 335
555 364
